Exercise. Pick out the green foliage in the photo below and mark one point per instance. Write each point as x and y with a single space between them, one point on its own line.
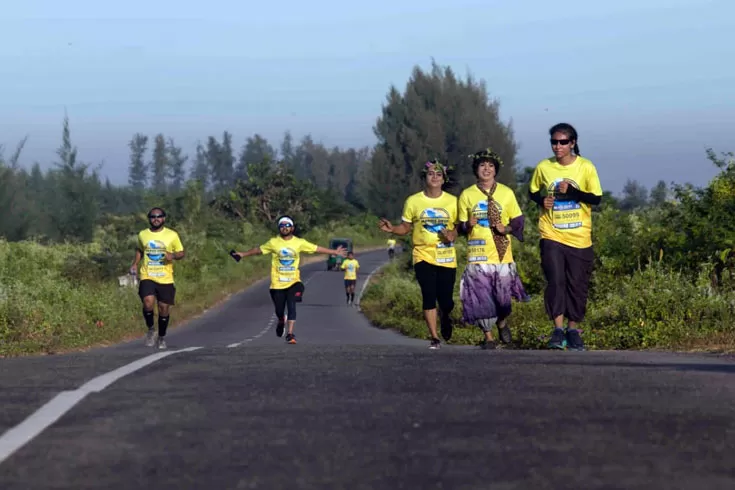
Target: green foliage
437 116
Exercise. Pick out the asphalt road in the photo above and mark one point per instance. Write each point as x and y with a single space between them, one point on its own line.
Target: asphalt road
352 406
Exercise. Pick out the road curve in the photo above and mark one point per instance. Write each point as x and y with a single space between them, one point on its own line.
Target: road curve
230 405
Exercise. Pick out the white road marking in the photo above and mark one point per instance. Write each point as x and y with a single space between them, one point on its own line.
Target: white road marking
21 434
367 280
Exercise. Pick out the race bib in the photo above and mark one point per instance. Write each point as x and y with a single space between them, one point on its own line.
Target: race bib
477 251
286 274
156 270
445 253
566 215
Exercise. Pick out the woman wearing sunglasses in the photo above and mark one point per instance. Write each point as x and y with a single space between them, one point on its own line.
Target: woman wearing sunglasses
286 249
571 188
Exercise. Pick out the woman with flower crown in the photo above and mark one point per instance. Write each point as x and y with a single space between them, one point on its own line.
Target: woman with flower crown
489 213
432 214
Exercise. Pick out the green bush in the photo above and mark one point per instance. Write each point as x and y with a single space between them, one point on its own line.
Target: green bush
652 308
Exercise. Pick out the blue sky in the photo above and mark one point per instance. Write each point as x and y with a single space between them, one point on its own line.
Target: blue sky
649 84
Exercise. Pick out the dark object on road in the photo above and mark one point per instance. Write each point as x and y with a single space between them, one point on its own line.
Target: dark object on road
335 261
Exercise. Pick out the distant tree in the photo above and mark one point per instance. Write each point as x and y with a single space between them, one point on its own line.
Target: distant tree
287 150
221 160
635 195
437 116
160 164
138 170
176 165
76 207
659 193
256 149
200 167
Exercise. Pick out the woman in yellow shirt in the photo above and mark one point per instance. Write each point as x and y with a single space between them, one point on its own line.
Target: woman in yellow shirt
489 214
571 188
432 214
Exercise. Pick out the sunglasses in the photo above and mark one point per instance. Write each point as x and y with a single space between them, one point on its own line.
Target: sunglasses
560 142
285 225
155 216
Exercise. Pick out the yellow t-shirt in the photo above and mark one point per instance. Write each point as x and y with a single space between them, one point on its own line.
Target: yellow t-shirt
350 267
285 263
391 243
429 216
154 245
481 247
569 222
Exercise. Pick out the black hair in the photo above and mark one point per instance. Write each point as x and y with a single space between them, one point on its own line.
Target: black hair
486 155
448 173
569 130
476 165
163 212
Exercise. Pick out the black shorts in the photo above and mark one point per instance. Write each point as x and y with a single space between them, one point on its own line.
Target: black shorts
350 282
164 293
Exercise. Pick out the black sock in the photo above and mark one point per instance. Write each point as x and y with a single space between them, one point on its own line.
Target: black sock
162 325
348 296
352 297
148 315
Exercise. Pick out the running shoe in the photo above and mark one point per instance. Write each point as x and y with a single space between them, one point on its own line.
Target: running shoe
150 337
280 327
558 339
435 344
574 340
504 334
488 345
290 338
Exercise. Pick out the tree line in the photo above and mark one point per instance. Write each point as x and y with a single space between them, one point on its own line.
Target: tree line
436 115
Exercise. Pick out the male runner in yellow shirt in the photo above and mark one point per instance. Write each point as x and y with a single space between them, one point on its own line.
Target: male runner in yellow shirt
157 247
350 266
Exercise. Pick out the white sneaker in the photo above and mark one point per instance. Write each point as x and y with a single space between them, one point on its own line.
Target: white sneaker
150 337
161 343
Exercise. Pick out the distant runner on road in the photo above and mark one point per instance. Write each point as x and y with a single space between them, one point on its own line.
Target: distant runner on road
391 247
350 266
286 249
432 213
158 247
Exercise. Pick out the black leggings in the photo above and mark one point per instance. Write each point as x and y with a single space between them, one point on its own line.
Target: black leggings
283 298
568 271
437 284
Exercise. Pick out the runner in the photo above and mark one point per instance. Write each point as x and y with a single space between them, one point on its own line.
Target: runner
572 187
350 266
285 274
489 213
432 213
391 247
158 246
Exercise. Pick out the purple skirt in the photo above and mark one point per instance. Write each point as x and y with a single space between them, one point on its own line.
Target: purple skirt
486 291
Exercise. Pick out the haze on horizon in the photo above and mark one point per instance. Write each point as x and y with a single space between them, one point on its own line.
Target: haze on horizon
649 85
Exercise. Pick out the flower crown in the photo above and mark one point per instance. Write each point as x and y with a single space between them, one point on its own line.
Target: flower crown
436 164
486 154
